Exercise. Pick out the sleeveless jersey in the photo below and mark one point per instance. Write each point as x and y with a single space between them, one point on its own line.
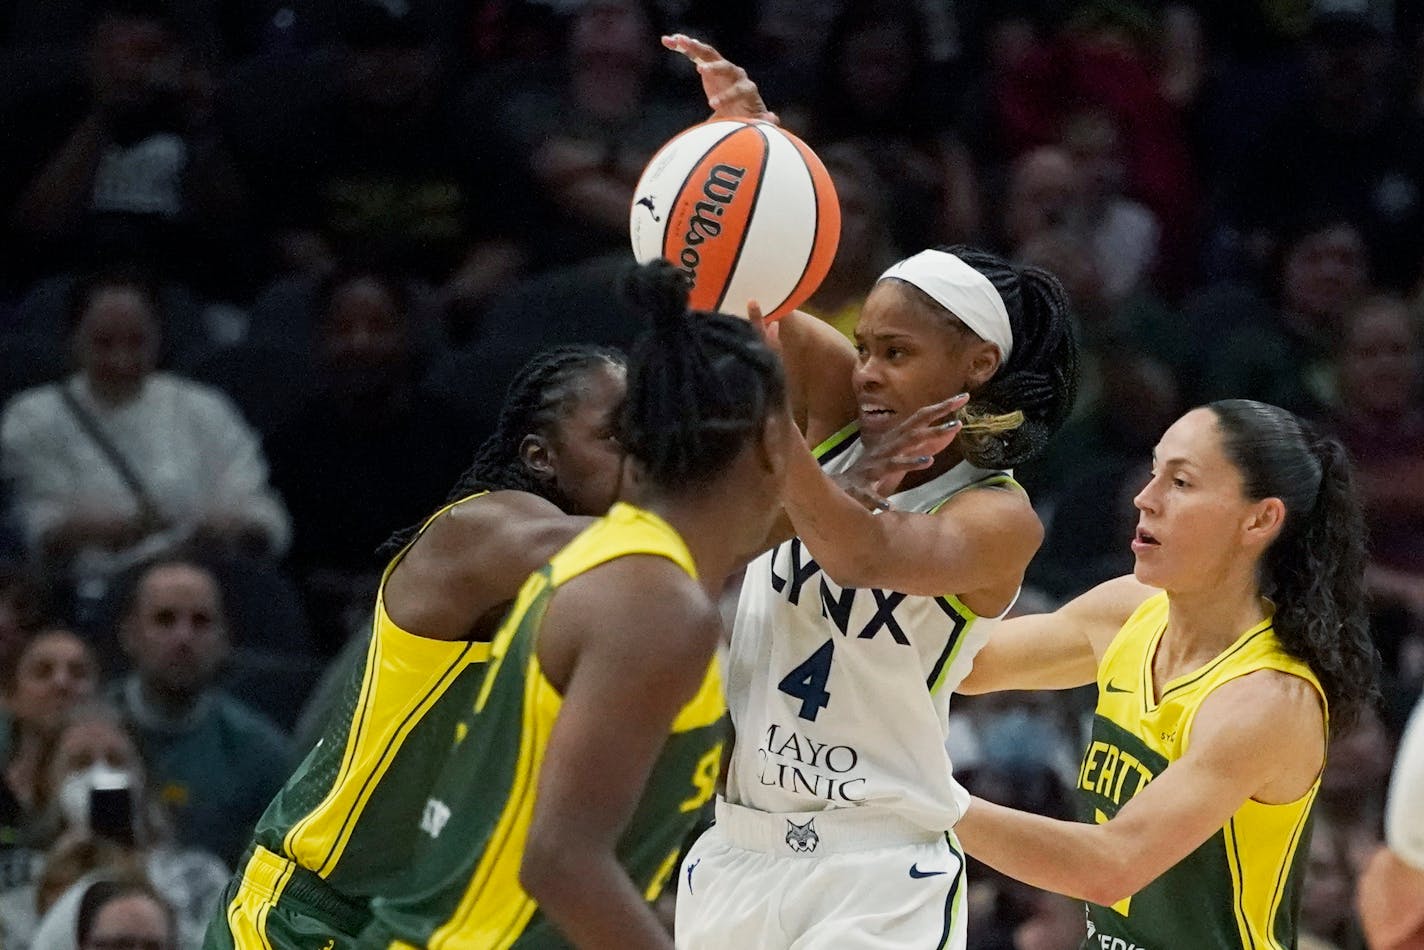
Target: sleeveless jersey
840 697
1241 888
462 888
379 755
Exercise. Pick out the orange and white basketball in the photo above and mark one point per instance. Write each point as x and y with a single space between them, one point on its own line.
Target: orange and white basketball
746 208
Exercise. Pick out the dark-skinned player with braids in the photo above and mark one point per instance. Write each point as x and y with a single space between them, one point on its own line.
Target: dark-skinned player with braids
854 631
597 733
342 825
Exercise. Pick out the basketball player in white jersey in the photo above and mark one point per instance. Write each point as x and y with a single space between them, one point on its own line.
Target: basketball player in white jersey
1391 893
852 632
851 636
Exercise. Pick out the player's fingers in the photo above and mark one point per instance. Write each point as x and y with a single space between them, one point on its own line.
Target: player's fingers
695 50
924 415
754 314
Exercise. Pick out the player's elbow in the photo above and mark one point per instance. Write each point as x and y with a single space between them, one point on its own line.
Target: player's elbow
547 872
1112 882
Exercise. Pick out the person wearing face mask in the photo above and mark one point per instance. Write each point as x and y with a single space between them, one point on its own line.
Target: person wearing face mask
99 819
101 796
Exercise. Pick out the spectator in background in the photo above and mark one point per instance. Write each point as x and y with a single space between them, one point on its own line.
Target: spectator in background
140 173
22 614
883 89
1349 143
126 834
1123 234
125 915
51 671
342 462
1102 60
214 762
571 140
121 460
363 149
1278 349
1379 416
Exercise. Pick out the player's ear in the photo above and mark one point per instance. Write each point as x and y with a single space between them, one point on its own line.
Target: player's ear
537 455
772 443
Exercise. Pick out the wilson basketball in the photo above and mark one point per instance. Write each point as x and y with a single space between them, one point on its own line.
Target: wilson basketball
746 209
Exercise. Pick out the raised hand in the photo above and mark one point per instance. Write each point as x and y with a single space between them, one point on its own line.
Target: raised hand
730 93
909 447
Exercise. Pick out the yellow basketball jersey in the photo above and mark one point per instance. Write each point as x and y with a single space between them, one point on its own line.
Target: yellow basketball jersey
1239 889
461 890
381 751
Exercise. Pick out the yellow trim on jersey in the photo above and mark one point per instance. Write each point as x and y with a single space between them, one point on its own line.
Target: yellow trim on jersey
706 708
961 636
836 438
495 909
263 881
405 675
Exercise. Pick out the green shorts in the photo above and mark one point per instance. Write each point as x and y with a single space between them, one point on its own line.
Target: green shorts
275 904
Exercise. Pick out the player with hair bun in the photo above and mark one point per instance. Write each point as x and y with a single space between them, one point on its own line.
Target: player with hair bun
596 736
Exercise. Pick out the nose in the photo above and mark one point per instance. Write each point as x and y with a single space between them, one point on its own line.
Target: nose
1145 500
866 375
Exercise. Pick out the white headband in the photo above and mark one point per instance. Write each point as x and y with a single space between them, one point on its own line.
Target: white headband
961 290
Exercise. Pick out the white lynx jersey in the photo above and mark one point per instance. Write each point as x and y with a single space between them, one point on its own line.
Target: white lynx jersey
840 697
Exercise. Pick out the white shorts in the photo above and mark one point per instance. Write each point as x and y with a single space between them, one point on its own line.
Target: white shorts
850 879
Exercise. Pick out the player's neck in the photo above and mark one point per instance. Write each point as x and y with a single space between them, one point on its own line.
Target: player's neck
1202 623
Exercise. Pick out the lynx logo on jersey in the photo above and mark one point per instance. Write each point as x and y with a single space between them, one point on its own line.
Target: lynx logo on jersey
837 605
802 838
432 820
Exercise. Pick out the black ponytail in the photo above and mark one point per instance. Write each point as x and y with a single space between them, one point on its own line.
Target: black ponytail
699 384
1315 569
544 391
1040 377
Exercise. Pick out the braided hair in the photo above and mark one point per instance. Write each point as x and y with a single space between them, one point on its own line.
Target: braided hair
544 391
1314 570
1010 419
700 385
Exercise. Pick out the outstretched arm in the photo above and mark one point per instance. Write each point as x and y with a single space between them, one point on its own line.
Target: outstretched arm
1261 736
1058 650
637 662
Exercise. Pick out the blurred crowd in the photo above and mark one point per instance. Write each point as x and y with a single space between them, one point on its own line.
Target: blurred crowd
269 265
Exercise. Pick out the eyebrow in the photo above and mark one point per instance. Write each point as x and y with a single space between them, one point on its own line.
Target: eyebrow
884 336
1175 460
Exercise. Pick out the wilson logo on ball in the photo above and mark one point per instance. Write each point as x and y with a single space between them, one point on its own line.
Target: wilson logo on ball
750 215
720 188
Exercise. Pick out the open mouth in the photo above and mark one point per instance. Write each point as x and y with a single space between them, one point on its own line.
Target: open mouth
876 412
1144 536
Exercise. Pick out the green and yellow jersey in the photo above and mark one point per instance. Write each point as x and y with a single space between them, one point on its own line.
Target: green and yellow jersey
462 888
328 839
1242 887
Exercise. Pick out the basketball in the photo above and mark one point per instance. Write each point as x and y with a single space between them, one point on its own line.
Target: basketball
746 209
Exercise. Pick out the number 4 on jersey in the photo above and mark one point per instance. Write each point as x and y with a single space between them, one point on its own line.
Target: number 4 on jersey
808 681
